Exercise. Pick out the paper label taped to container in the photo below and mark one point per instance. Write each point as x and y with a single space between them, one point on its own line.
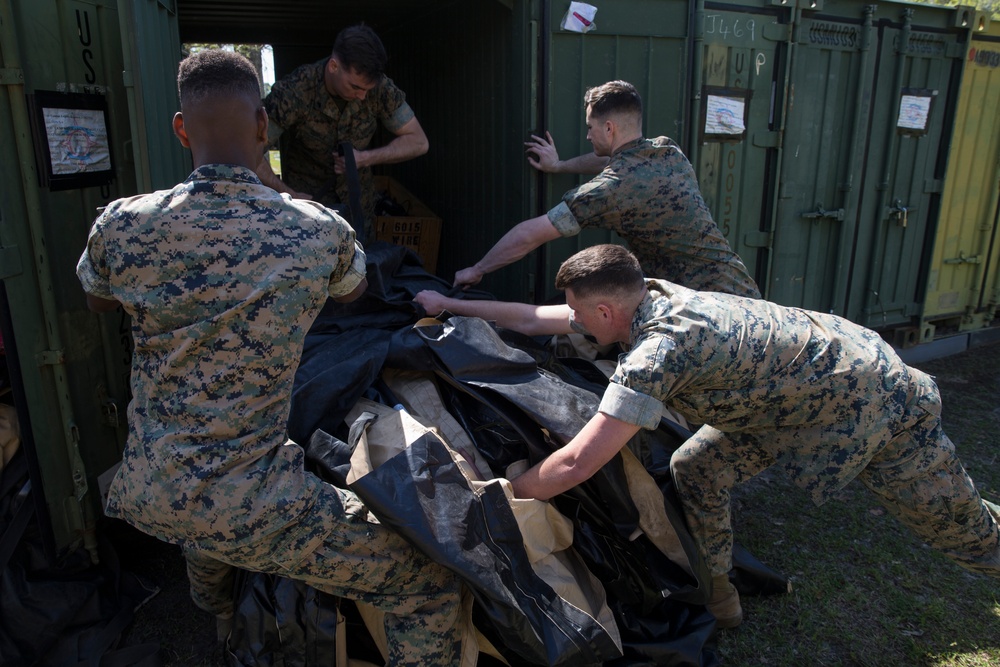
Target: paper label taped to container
78 140
914 111
579 17
724 115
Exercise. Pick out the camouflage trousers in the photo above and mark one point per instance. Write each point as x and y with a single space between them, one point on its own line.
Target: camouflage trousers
340 549
917 477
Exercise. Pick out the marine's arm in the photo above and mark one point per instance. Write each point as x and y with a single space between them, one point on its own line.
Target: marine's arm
271 180
523 317
512 246
409 142
577 461
101 305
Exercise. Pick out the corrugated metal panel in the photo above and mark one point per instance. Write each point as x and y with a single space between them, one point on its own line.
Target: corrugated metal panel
466 71
827 111
743 57
858 196
919 58
963 286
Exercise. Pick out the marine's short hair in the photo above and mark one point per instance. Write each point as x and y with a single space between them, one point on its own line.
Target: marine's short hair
601 270
613 97
215 72
360 49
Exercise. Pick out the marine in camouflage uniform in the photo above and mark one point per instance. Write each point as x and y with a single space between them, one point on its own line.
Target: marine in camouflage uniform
222 277
645 190
823 398
312 123
648 195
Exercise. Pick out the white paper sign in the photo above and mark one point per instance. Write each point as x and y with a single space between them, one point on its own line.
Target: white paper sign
78 140
579 17
914 111
724 115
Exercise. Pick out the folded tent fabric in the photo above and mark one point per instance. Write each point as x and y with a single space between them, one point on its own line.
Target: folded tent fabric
429 494
510 403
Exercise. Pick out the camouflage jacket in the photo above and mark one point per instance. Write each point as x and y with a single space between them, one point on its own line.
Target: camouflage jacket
311 123
648 194
222 277
821 394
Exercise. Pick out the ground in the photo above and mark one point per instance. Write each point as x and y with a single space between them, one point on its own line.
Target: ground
865 592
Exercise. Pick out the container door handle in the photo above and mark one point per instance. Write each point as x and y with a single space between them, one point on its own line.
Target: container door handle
820 212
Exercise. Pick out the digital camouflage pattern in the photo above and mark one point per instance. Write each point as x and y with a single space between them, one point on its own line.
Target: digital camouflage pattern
223 277
648 195
823 398
311 123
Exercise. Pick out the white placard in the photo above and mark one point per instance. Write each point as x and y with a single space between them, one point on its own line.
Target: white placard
724 115
914 111
78 140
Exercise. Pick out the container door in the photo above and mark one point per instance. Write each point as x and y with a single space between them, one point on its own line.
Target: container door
68 378
827 115
152 50
640 41
913 99
962 286
735 124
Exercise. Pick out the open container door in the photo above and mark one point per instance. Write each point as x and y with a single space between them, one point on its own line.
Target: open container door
643 42
152 50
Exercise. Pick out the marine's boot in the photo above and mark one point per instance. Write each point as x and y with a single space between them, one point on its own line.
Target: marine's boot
725 602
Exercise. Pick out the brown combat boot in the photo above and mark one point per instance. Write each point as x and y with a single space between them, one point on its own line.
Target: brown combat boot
725 602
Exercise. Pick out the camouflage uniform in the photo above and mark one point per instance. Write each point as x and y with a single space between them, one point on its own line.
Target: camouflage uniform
312 123
821 397
223 277
648 194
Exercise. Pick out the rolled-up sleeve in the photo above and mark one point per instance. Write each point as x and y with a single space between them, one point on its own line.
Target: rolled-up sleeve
563 220
344 283
92 268
630 406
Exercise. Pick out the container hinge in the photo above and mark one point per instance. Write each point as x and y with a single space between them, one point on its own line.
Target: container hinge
127 79
758 239
11 76
51 357
767 139
962 259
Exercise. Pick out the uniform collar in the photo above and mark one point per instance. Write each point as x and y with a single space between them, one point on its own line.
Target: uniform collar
230 172
628 145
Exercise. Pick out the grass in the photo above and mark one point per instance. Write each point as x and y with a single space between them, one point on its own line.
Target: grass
865 592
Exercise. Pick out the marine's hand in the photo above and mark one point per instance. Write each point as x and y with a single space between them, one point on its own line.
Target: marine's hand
542 154
295 194
468 277
431 301
340 165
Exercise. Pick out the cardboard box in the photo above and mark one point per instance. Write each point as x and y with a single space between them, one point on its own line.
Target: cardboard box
419 230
